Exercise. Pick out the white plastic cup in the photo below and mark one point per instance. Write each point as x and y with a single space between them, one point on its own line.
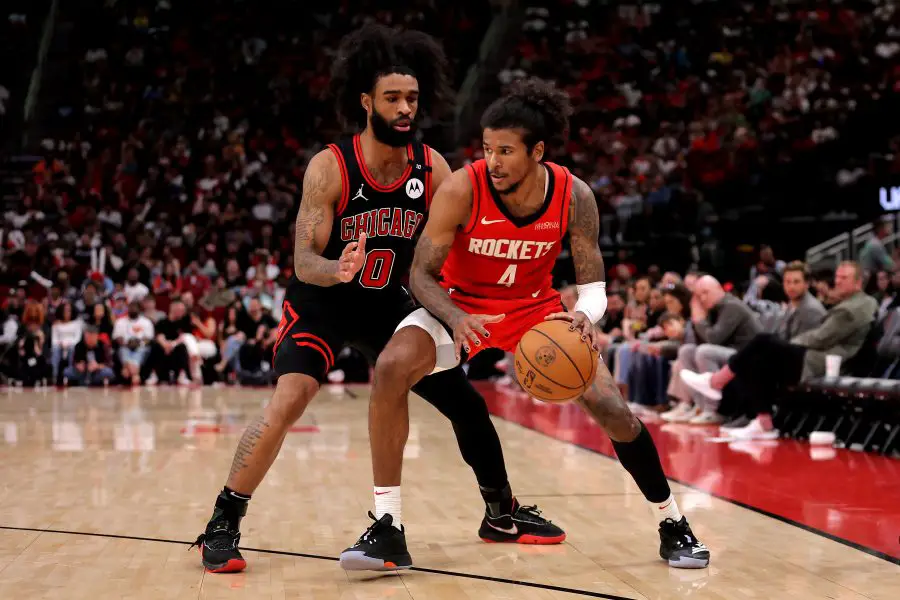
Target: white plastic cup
822 438
832 365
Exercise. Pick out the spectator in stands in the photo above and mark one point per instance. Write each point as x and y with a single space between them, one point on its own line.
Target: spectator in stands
65 333
769 362
230 337
101 318
32 367
874 256
148 309
803 312
823 283
91 361
612 322
135 291
133 334
199 341
168 355
259 330
219 295
721 325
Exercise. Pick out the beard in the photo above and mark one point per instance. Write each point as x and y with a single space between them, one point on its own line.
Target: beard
507 191
385 133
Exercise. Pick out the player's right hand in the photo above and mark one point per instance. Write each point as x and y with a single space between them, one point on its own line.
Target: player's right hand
468 328
352 259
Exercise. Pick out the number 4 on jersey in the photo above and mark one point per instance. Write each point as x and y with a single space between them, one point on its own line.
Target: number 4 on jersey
509 276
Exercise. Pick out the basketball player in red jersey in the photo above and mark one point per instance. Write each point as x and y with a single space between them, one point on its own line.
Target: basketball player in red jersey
482 271
363 205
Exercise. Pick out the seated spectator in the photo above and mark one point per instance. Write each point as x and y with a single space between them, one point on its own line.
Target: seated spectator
148 309
769 362
874 256
721 325
91 361
230 337
255 355
218 296
133 333
199 341
611 324
65 333
32 367
135 291
100 318
169 360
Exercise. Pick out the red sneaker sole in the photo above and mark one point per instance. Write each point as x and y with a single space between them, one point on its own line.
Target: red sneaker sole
235 565
533 540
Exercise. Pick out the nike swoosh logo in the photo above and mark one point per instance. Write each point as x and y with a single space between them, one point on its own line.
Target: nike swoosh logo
381 493
511 531
535 295
484 221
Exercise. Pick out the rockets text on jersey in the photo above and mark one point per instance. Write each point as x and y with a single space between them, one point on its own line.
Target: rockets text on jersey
499 255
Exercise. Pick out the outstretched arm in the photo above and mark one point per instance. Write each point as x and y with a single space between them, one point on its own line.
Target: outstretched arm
584 232
321 192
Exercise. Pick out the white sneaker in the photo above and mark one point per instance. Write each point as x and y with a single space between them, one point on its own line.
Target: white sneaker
681 416
699 382
152 380
707 417
754 431
183 379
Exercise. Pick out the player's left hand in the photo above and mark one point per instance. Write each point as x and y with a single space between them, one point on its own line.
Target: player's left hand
579 322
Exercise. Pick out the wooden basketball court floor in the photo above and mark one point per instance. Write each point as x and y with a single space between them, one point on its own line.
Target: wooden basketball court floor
102 490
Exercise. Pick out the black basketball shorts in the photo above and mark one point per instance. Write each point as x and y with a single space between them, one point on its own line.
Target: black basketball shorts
314 328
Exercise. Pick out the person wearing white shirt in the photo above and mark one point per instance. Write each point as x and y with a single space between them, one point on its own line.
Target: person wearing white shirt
133 333
64 334
135 291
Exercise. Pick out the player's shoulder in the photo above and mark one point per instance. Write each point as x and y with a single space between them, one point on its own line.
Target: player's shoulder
324 175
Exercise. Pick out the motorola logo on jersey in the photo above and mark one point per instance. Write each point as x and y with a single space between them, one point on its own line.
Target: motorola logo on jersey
509 249
381 222
414 188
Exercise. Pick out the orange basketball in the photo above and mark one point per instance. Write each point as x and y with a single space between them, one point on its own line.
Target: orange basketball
553 364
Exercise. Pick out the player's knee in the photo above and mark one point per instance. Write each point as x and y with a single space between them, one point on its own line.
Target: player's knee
611 412
406 359
292 395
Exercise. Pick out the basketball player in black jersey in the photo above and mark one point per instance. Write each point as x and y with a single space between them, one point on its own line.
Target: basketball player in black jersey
364 202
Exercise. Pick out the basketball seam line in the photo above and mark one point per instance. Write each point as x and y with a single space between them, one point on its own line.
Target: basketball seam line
545 376
574 364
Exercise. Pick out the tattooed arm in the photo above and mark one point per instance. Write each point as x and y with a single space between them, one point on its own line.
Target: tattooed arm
584 233
449 211
321 193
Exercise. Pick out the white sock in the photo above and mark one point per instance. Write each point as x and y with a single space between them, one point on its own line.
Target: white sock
667 509
388 501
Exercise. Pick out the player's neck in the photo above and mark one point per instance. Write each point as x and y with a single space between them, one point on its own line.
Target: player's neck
531 191
378 154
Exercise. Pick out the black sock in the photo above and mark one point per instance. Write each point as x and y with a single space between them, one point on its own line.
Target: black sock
231 506
641 459
498 501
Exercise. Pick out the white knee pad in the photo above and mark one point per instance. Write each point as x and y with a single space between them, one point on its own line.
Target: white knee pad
443 343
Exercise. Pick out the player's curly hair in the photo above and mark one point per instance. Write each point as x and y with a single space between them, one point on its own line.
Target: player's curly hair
535 106
373 51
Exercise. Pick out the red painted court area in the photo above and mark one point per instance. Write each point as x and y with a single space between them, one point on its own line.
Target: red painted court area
851 496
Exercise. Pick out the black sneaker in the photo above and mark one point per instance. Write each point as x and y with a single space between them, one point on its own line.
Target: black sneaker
524 526
736 423
381 548
680 547
219 544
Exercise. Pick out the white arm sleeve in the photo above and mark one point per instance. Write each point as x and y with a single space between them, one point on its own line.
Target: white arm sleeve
592 300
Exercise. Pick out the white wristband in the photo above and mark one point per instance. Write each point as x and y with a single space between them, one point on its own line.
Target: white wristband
592 300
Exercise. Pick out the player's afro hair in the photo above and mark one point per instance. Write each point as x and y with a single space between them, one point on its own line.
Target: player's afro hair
535 106
373 51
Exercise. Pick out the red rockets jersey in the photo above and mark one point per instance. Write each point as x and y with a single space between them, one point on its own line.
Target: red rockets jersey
500 256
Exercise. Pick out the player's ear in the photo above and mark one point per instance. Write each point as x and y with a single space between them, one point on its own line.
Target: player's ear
366 101
537 153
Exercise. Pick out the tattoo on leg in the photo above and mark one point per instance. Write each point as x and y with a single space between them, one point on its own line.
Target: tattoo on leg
247 444
604 402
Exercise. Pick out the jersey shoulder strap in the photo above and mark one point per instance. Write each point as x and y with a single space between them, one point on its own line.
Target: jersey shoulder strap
343 151
562 192
477 172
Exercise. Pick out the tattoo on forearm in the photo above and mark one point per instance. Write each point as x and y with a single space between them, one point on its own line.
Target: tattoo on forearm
247 445
584 234
308 265
423 280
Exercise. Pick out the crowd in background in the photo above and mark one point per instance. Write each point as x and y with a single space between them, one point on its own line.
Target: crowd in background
153 242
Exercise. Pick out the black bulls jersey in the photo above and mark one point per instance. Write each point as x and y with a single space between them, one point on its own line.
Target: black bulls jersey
391 216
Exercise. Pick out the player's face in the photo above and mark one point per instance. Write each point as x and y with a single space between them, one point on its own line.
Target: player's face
508 159
392 109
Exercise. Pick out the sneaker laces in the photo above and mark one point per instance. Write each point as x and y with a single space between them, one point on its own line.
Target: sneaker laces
373 528
533 512
218 536
681 530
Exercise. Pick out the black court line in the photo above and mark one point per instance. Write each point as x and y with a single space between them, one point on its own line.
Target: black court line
849 543
542 586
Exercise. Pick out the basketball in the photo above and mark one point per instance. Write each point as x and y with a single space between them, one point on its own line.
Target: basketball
554 364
